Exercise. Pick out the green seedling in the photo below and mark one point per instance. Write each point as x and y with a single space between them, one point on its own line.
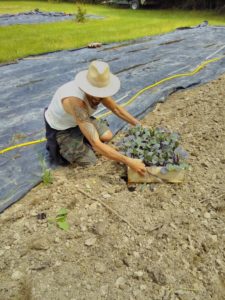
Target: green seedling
155 147
47 177
61 219
46 174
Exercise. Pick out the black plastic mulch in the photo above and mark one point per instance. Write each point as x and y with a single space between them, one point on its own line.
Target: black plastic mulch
28 86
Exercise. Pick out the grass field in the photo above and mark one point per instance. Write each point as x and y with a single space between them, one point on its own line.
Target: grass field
119 24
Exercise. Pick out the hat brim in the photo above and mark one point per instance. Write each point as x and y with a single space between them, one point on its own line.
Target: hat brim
111 89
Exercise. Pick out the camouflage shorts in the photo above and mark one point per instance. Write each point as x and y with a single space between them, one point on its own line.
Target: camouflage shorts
74 147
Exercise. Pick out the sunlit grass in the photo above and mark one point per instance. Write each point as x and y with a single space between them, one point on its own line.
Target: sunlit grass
120 24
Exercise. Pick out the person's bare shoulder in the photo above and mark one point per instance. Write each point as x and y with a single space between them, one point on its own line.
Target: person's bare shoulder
71 104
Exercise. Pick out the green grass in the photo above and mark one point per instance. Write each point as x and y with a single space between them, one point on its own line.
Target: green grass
120 24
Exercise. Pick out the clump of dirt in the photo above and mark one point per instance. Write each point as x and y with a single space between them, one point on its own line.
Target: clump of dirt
179 251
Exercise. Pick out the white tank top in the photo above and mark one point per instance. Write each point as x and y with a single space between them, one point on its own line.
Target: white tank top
55 115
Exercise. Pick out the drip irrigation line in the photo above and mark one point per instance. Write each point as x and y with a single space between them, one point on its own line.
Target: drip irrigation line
191 73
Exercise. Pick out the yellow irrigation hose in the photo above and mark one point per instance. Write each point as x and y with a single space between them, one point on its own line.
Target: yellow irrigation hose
200 67
163 80
22 145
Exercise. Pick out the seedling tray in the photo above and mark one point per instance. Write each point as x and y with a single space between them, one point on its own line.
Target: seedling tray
154 175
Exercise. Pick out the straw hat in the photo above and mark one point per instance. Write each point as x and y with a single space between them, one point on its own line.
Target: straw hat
98 81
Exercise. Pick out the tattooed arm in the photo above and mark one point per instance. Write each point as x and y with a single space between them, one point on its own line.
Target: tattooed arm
79 110
119 111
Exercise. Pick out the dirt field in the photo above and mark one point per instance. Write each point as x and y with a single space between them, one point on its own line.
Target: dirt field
179 252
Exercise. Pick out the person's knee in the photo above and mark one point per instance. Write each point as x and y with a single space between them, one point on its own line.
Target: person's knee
107 136
87 159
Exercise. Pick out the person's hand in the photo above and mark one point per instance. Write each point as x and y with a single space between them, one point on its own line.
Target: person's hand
140 123
138 166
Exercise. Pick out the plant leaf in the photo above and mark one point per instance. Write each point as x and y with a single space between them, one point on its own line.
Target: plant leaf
63 225
60 218
62 212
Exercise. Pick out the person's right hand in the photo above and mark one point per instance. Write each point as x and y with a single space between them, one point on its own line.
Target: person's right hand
138 166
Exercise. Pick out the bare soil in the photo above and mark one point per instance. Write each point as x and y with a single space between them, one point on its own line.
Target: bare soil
179 252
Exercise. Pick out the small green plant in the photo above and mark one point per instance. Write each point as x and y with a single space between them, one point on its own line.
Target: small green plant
80 15
47 177
155 147
61 219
